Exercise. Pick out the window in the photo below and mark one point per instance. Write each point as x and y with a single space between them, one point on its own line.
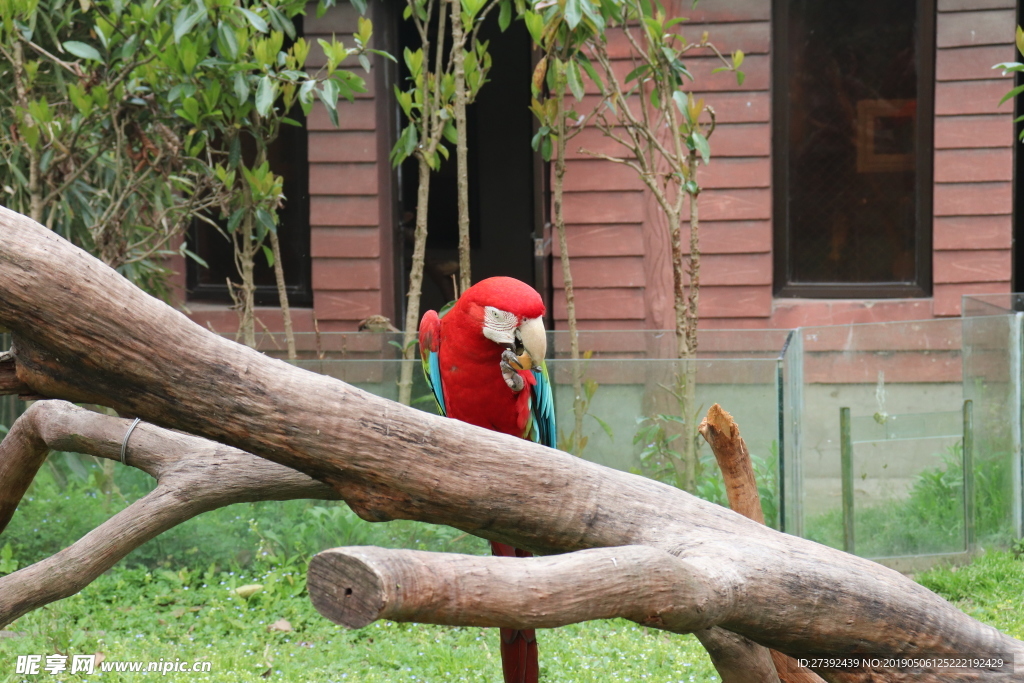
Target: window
288 158
853 110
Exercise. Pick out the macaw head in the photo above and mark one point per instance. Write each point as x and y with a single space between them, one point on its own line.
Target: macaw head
509 313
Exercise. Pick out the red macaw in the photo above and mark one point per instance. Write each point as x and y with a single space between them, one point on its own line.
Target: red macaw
484 361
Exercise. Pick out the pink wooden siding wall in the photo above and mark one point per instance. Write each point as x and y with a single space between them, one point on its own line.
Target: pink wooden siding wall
350 197
973 151
618 244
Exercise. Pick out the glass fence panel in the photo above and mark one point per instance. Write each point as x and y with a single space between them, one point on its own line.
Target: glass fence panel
633 412
992 380
877 371
906 475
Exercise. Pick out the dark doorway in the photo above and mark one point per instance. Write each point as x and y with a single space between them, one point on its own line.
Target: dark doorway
502 197
853 109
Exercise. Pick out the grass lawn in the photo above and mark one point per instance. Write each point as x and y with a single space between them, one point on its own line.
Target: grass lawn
132 614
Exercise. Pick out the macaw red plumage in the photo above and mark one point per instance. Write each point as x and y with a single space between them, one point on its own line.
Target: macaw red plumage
484 361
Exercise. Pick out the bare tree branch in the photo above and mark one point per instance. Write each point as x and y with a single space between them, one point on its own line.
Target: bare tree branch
193 476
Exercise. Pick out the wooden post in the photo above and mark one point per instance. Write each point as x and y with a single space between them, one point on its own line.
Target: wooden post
846 464
968 464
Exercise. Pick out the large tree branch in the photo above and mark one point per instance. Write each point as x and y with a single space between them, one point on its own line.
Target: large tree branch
83 332
358 585
193 476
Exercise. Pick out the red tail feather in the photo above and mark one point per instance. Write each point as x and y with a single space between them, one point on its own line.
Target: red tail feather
519 662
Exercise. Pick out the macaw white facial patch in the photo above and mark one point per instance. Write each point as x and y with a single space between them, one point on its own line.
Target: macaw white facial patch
499 325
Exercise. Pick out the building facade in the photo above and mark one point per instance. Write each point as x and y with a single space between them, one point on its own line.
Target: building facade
863 171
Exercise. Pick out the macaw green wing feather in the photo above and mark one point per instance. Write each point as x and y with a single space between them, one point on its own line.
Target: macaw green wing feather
430 344
542 409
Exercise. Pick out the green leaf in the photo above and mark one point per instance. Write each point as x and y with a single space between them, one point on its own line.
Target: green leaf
700 143
82 50
185 21
504 15
269 253
637 72
241 86
328 94
1019 39
1013 93
575 82
535 25
266 93
227 43
280 22
574 12
258 22
264 218
451 134
604 425
405 145
235 219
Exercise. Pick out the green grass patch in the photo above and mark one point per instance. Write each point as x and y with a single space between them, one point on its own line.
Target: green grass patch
132 614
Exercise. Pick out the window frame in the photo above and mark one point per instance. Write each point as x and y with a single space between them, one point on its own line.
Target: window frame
782 286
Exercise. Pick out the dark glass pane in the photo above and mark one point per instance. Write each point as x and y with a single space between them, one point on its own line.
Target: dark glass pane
852 141
287 156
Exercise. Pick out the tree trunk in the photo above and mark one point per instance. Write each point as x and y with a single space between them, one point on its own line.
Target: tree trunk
245 250
412 311
282 295
461 160
72 340
575 440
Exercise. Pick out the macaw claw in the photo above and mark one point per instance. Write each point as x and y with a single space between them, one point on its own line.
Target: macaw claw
510 367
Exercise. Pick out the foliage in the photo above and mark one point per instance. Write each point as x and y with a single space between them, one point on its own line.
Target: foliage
930 519
659 460
129 115
95 148
575 442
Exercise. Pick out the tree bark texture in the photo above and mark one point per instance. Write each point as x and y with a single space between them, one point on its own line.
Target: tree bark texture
282 294
193 476
83 333
461 145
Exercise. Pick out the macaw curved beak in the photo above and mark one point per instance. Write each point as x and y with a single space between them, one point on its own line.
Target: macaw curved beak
530 343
